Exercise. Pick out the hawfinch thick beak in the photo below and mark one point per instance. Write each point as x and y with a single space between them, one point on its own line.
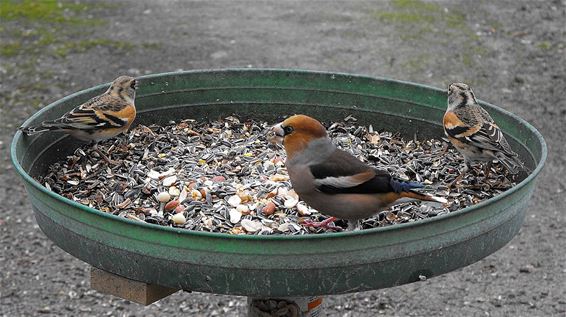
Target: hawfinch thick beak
278 130
276 134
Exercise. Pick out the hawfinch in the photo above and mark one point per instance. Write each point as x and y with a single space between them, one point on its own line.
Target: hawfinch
335 182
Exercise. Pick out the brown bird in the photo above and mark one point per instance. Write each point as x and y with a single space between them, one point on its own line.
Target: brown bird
335 182
100 118
474 134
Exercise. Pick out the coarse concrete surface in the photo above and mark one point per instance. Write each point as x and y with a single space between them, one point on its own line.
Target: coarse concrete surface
511 52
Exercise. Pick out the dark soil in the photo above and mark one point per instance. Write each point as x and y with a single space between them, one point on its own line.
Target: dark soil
511 52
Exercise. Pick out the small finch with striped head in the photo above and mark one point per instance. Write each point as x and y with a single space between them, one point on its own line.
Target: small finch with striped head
100 118
473 132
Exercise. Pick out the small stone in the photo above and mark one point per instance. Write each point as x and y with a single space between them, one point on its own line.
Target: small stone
163 197
391 216
268 166
527 269
168 181
243 209
202 192
279 178
268 209
196 195
237 230
179 219
179 209
293 194
207 222
278 160
125 204
234 200
183 195
290 202
245 196
235 215
147 189
133 217
251 226
171 205
281 215
265 229
150 211
174 191
373 138
219 179
284 227
303 209
192 185
153 174
282 191
168 172
219 54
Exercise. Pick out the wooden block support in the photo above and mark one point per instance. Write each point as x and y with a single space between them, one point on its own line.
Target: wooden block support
139 292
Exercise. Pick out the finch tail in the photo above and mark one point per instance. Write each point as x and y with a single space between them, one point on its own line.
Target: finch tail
45 126
510 161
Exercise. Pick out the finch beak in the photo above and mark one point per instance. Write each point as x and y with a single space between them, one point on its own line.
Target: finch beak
276 134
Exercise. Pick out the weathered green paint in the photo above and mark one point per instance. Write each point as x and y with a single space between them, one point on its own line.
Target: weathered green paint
270 266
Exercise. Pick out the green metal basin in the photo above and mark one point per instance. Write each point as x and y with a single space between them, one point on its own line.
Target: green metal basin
272 266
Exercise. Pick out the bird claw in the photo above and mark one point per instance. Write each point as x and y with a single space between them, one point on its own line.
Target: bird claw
322 224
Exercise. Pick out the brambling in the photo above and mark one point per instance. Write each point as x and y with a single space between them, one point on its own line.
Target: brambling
335 182
100 118
474 134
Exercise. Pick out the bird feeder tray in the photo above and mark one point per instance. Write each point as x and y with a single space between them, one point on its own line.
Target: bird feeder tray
278 265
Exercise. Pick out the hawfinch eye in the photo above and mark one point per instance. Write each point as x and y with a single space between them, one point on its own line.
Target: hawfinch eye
287 130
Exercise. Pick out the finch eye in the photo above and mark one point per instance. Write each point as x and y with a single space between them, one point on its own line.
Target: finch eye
287 130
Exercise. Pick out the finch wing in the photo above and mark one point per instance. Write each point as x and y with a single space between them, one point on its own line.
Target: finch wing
94 114
489 137
343 173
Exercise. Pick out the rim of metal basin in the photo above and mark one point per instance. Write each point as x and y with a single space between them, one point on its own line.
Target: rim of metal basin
414 224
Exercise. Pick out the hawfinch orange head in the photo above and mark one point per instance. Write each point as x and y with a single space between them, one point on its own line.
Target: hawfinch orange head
297 132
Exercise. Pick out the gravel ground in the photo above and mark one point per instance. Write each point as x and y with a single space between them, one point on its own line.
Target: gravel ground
511 52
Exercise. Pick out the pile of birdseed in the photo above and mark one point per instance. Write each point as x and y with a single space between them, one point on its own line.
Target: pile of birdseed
224 176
